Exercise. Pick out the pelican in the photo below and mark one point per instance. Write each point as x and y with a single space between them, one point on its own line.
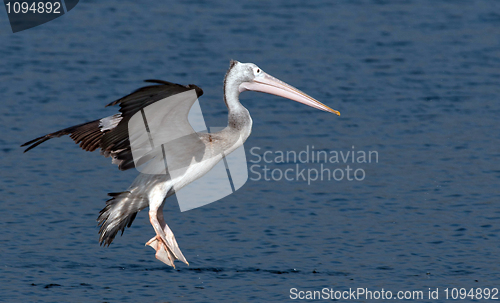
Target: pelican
193 154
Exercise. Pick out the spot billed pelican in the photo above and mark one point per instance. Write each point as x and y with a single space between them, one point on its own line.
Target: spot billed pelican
190 156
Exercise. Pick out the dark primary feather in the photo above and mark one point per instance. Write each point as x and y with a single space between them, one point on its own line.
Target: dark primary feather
87 134
115 142
147 95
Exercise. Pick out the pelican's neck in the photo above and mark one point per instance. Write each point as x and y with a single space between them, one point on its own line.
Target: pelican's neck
238 117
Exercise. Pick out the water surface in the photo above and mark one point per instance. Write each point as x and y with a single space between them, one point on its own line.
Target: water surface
416 81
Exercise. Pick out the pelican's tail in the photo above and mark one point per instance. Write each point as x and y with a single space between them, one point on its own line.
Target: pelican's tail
120 212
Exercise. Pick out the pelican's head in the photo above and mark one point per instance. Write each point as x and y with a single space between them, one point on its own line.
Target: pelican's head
248 76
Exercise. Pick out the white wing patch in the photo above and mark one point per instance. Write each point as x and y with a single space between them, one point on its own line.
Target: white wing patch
110 122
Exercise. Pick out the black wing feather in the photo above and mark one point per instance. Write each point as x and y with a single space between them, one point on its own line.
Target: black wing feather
83 133
115 142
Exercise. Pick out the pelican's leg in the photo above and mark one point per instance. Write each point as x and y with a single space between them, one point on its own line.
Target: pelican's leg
169 236
164 242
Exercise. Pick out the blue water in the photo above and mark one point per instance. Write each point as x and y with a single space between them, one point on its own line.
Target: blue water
416 81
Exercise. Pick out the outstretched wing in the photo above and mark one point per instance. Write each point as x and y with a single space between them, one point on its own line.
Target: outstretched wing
88 134
110 134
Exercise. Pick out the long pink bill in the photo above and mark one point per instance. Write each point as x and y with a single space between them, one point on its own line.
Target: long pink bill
268 84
